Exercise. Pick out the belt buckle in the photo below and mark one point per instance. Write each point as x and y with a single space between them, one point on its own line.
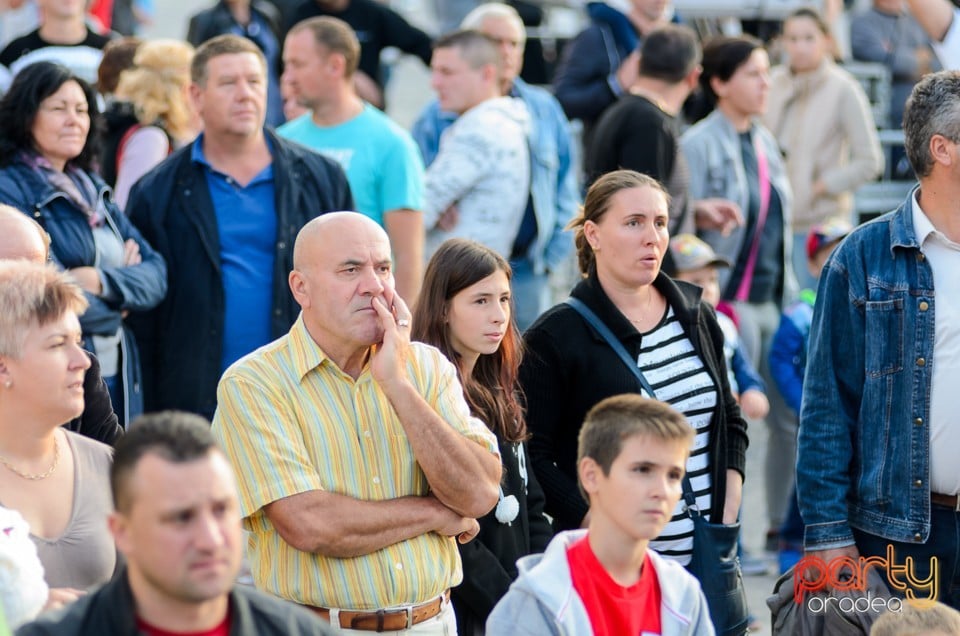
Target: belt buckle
956 503
408 610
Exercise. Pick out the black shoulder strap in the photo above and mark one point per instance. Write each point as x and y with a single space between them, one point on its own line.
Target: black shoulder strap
604 331
594 321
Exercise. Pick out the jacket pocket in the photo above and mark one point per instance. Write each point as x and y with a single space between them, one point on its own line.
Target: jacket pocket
884 337
874 464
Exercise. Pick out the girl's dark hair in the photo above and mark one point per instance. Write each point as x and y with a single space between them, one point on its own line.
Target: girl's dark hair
19 108
491 390
722 56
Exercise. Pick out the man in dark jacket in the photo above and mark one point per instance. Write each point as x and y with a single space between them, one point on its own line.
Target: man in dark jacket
177 523
224 212
22 238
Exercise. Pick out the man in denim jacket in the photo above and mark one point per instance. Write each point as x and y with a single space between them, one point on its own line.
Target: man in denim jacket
877 463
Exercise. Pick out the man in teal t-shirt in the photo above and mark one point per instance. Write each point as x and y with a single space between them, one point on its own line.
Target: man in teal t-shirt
382 162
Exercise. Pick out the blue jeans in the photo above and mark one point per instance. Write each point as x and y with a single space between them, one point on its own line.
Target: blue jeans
944 543
531 293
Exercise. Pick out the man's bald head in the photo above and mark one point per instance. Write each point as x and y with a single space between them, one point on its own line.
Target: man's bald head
330 227
22 238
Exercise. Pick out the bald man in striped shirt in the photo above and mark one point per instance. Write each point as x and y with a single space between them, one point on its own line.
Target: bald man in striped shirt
359 462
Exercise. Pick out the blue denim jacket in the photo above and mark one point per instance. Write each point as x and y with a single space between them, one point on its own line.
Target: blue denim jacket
553 183
864 448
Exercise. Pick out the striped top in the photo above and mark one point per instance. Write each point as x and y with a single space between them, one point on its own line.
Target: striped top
291 421
677 375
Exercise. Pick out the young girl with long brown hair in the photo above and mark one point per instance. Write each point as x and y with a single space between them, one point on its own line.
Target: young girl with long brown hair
466 311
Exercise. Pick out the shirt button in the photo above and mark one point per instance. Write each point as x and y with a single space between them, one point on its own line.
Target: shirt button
366 434
921 362
399 566
918 421
281 245
918 483
924 305
376 480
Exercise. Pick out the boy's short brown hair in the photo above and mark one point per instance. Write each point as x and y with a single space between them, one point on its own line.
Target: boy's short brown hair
614 420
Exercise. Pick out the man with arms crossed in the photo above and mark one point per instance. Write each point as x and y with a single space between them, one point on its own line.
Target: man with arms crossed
359 457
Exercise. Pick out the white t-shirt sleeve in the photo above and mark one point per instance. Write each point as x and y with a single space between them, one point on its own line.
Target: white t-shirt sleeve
949 49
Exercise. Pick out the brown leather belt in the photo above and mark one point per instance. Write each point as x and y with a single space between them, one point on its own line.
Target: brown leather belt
386 620
950 501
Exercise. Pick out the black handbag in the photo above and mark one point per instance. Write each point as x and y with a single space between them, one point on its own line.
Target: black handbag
716 565
714 561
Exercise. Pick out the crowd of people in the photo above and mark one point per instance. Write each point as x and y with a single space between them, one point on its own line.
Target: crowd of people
252 324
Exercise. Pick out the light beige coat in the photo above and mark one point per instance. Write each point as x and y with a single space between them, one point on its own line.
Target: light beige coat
823 124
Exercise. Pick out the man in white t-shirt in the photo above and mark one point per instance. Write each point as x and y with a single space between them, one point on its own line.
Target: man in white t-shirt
477 186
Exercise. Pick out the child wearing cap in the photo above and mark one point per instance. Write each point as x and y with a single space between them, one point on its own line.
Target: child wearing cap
788 358
694 261
605 580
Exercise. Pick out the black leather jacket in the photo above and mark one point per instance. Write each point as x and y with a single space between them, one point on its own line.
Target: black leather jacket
181 340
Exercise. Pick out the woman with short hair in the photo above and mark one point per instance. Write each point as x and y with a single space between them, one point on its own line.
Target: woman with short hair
57 480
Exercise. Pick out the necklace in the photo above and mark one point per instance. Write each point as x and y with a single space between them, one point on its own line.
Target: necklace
35 476
645 312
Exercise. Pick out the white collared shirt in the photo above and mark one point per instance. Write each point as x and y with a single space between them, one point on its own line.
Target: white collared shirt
944 258
948 50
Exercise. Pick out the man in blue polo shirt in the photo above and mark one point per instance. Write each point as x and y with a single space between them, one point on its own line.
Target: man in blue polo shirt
225 211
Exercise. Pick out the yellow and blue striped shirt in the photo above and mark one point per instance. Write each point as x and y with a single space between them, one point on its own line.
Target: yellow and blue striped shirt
291 421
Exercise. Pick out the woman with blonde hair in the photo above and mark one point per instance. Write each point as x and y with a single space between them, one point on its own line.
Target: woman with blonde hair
151 115
56 479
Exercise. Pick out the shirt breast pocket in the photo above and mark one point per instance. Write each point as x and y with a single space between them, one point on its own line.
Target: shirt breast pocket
717 182
884 337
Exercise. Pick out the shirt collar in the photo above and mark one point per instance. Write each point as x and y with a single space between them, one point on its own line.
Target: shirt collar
196 152
197 155
922 226
306 353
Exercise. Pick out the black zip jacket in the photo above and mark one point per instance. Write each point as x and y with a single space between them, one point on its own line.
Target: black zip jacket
568 368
